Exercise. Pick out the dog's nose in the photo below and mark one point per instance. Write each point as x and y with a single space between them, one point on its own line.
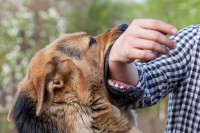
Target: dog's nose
123 27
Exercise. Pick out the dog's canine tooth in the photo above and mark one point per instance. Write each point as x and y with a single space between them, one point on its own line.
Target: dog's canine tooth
116 85
110 83
121 87
139 84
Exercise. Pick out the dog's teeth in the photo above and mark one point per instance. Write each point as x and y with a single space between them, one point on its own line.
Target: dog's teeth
110 83
139 84
116 85
121 87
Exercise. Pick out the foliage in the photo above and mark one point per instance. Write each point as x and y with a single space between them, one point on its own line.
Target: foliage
180 13
99 16
20 38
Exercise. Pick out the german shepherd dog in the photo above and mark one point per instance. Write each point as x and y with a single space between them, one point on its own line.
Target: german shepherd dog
66 89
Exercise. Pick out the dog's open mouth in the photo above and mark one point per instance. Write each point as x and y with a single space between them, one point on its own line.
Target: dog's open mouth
118 85
122 95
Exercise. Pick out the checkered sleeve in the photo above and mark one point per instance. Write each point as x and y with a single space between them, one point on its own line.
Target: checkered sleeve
158 77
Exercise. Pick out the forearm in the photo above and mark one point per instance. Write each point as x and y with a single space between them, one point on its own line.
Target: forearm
126 73
141 40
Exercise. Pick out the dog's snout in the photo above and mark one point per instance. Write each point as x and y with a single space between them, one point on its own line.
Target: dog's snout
123 27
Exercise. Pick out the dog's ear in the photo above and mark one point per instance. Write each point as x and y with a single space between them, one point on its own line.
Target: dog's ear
43 82
53 77
44 89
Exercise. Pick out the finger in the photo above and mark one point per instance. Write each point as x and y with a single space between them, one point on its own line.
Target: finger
158 25
150 55
142 54
150 45
156 37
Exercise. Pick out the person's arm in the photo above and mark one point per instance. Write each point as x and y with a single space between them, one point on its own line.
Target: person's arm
158 77
142 40
168 72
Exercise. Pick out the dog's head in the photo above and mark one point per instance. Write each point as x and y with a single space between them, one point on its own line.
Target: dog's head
65 69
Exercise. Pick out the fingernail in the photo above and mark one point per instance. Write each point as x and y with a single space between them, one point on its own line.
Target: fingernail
174 31
174 45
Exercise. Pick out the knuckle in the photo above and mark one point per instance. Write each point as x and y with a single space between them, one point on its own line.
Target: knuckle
166 50
130 38
135 21
129 32
155 23
170 43
152 45
143 55
129 53
157 36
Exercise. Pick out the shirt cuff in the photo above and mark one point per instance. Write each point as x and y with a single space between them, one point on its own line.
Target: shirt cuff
142 83
142 78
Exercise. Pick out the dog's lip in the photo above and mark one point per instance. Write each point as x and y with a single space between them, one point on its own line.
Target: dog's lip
121 97
123 91
124 97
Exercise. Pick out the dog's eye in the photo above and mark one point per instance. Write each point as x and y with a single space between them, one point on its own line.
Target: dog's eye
92 41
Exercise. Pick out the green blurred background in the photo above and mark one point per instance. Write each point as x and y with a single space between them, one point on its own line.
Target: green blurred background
27 26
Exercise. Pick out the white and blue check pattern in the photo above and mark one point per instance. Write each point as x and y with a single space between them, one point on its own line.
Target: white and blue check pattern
176 74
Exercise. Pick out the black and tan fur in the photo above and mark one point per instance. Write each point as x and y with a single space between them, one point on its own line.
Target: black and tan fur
64 90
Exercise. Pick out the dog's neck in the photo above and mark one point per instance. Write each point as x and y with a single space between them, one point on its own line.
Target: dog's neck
98 116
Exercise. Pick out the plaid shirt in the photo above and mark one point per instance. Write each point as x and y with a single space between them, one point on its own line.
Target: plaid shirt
179 75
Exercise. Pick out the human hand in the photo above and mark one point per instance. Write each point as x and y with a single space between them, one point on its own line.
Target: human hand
142 40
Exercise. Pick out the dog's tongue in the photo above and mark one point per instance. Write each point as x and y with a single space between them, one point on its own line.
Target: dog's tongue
118 85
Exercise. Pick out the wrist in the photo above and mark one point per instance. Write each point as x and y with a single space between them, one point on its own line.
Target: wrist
124 72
